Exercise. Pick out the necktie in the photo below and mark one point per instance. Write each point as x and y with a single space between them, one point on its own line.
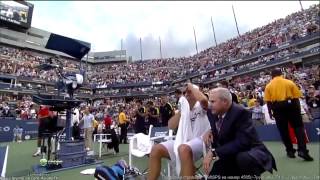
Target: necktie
219 123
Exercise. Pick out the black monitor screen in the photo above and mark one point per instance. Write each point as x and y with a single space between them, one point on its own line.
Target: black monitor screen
17 13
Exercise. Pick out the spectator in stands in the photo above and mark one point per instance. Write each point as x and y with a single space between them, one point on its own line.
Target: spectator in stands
225 84
252 101
33 112
313 101
257 114
305 113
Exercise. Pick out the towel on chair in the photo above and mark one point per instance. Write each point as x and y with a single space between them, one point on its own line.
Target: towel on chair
143 143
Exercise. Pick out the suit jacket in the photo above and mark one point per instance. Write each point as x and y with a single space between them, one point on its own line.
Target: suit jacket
237 134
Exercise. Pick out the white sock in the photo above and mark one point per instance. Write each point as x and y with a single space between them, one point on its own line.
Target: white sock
38 149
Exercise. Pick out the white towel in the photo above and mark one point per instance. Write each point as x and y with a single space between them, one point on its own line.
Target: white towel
184 130
143 143
88 171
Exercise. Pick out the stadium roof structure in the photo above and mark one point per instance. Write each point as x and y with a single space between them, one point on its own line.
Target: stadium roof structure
73 47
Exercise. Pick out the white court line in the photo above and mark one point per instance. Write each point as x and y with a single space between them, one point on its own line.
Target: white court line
4 167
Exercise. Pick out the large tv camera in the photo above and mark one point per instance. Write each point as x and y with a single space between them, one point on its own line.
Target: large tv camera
67 81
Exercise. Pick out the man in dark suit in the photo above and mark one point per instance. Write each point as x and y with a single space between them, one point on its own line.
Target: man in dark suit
236 149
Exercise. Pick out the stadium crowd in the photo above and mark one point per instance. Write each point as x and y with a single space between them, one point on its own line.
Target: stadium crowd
22 62
249 89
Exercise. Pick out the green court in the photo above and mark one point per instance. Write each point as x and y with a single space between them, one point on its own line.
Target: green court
20 163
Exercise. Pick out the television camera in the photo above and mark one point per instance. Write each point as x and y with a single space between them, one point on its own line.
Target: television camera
67 82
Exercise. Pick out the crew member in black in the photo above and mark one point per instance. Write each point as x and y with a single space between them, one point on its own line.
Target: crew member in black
166 111
153 114
140 118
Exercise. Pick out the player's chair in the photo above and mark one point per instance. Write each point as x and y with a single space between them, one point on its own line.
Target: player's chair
140 145
102 138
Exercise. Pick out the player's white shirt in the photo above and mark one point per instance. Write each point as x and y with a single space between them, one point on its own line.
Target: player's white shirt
199 120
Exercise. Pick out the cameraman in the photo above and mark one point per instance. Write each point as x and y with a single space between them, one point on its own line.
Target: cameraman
44 118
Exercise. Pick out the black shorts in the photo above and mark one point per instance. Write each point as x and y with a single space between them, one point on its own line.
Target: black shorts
44 125
40 131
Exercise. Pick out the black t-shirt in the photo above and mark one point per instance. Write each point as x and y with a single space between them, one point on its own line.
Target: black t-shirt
152 120
317 84
313 102
166 113
234 98
140 118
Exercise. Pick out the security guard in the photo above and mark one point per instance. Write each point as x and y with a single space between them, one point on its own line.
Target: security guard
123 125
282 97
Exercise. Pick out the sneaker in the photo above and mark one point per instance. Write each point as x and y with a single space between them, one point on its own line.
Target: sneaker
290 154
36 154
305 156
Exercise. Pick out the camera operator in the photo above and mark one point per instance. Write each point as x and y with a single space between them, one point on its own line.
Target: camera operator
45 117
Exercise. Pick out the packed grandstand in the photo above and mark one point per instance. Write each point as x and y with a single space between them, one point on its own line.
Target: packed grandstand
242 63
290 42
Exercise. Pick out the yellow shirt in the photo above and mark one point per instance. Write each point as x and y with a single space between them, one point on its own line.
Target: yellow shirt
251 102
280 89
122 118
95 123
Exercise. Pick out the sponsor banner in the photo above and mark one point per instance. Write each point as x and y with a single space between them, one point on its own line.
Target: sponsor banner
30 129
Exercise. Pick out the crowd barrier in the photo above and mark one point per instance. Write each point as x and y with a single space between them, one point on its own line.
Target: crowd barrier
30 130
270 132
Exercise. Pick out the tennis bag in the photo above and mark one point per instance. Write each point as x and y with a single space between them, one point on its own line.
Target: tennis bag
103 172
119 171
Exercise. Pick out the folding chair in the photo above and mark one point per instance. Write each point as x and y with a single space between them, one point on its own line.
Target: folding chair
156 135
101 138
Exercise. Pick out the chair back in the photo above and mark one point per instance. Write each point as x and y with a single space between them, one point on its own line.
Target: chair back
159 131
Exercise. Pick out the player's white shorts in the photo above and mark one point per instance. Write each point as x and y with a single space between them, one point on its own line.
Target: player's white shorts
196 145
